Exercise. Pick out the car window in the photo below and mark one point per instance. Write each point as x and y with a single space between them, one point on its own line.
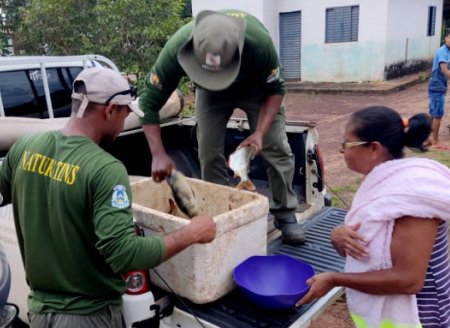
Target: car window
60 85
23 91
18 95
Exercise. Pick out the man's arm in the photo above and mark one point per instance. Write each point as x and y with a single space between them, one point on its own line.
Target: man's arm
116 238
163 79
162 165
444 69
202 229
269 110
262 59
9 164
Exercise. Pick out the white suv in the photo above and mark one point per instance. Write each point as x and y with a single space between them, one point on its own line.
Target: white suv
35 94
39 86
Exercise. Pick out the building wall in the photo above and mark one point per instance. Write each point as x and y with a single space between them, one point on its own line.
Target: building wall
408 48
345 61
391 42
270 19
255 7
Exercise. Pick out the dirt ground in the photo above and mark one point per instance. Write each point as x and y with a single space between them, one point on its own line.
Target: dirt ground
331 113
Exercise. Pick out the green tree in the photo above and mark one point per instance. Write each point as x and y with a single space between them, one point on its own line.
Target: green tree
4 45
10 13
130 32
9 20
187 10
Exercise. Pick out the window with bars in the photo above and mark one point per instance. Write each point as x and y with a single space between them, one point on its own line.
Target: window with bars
431 26
341 24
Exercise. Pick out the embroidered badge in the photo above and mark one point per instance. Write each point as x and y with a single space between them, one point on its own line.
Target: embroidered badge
237 14
274 75
120 197
212 62
154 80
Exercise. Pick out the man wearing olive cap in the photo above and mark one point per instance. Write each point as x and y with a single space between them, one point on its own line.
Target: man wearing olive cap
230 57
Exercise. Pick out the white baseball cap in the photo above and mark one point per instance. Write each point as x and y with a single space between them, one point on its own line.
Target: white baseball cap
105 86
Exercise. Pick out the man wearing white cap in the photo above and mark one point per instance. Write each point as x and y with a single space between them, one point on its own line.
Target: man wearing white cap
71 203
231 59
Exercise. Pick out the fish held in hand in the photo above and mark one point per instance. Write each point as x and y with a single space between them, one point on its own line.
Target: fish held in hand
182 193
239 162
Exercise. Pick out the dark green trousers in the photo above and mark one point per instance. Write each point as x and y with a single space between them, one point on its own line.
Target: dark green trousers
109 317
213 111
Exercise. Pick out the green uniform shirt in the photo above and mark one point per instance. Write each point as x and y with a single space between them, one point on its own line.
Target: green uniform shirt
71 203
260 68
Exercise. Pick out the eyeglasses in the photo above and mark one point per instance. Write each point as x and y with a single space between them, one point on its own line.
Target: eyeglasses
132 91
348 145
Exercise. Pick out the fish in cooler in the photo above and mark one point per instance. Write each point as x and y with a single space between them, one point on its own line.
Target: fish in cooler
182 193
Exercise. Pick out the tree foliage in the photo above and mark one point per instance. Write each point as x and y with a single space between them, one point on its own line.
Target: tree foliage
9 21
187 10
10 13
130 32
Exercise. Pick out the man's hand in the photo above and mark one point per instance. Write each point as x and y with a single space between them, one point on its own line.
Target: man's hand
347 241
201 229
205 227
254 141
320 284
162 167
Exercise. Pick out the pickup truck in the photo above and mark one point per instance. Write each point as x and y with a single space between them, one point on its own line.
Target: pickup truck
233 309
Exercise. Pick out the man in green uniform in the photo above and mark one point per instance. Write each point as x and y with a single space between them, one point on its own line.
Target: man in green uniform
231 58
71 203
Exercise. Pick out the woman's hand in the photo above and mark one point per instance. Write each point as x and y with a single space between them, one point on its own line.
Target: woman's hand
347 241
320 285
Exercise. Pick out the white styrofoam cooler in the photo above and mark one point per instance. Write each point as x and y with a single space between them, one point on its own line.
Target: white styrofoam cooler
204 272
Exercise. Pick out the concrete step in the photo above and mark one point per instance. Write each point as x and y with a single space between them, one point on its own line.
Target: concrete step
381 87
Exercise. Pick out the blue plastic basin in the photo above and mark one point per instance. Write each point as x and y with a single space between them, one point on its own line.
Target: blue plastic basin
274 281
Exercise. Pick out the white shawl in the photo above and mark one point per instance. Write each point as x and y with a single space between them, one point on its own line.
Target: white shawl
406 187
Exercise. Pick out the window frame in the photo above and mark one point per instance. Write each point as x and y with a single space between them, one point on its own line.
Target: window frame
349 31
431 21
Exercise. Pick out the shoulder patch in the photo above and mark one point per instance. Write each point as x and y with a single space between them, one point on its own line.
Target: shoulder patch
155 81
274 75
119 197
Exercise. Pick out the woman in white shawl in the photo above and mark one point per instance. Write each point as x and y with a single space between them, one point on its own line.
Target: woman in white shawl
395 235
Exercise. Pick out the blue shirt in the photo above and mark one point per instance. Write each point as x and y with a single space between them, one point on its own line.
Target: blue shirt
438 81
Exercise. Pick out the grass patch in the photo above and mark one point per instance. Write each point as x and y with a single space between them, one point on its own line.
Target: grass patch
442 156
342 195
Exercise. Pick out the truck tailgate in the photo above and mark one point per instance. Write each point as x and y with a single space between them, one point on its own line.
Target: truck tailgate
234 310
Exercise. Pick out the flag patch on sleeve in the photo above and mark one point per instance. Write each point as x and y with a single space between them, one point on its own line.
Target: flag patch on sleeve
155 81
274 75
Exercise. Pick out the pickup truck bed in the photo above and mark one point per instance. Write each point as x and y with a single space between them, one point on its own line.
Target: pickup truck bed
234 310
